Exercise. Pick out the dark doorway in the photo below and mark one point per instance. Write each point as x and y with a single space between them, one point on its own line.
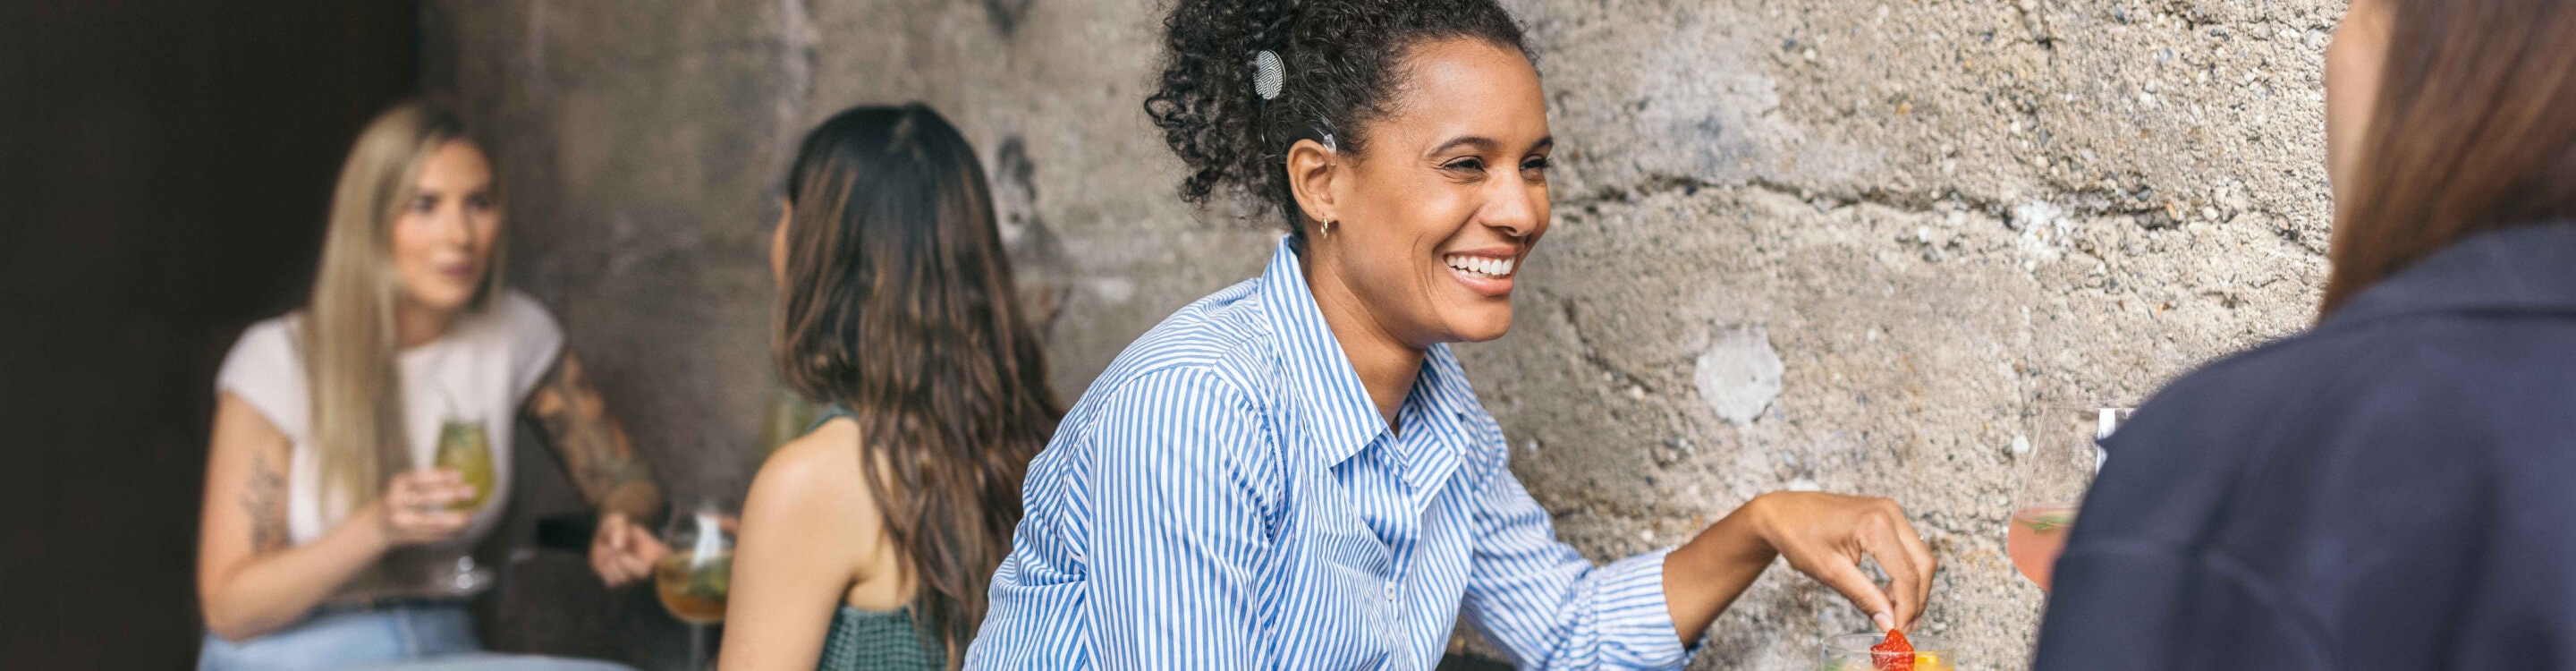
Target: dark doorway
164 172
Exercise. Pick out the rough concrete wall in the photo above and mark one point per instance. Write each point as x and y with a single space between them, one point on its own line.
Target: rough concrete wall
1799 243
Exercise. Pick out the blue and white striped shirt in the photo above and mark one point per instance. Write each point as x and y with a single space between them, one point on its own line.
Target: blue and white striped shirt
1227 497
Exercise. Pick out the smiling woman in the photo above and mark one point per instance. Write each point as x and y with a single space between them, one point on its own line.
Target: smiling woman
1294 472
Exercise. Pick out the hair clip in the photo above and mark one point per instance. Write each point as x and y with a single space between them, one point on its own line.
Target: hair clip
1268 74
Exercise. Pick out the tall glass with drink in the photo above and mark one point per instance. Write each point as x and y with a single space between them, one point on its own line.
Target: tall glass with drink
2064 452
695 577
464 447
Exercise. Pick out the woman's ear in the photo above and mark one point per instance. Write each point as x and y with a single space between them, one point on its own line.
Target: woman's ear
1312 167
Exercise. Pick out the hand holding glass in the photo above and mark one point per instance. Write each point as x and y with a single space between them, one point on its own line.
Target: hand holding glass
463 447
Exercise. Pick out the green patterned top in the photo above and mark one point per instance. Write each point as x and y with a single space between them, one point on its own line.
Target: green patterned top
873 641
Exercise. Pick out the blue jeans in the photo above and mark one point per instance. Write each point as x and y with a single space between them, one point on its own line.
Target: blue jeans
411 638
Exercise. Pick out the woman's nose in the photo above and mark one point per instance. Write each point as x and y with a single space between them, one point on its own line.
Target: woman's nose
1514 208
455 224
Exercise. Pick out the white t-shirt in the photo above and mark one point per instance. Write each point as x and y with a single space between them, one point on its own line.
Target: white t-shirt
485 367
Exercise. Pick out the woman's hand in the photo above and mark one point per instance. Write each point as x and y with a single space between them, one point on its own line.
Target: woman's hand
623 551
1825 536
413 510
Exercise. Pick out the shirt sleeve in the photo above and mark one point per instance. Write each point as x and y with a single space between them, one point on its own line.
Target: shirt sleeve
264 370
1549 608
536 340
1179 531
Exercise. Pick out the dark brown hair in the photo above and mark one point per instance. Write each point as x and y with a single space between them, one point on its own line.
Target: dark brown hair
2474 131
899 305
1343 61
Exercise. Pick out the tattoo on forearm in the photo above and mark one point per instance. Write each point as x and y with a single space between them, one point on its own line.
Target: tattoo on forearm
264 497
592 445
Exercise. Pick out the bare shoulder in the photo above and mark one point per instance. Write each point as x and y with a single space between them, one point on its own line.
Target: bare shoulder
813 483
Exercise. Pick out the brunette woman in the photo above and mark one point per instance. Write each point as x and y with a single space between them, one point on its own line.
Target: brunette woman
868 542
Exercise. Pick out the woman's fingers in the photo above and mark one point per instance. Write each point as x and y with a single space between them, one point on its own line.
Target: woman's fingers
416 506
1843 575
606 567
1905 583
648 548
1827 535
427 488
1924 565
621 551
634 551
1883 532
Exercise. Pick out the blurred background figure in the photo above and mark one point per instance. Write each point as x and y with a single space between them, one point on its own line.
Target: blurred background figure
361 446
2388 490
868 542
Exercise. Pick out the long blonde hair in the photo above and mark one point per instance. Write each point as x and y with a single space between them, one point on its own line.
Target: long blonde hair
348 337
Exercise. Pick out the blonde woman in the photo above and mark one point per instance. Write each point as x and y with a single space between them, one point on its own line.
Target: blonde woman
321 517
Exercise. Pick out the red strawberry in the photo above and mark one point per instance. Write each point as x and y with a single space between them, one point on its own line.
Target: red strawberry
1893 654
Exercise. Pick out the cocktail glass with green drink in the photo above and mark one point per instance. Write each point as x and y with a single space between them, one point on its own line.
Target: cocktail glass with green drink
465 447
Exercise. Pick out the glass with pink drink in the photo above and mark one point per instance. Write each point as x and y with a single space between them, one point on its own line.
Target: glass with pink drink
2057 460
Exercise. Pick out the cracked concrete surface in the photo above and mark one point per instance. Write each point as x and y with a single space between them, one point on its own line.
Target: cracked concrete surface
1936 216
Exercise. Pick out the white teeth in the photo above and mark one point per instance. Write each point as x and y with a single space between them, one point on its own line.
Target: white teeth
1490 267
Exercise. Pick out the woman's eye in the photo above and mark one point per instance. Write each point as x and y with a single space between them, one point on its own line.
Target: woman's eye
478 202
1464 165
424 204
1538 164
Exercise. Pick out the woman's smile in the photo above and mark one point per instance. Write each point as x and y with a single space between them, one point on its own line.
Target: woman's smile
1487 272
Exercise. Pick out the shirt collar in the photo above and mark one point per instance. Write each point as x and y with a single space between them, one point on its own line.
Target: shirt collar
1448 403
2521 270
1338 416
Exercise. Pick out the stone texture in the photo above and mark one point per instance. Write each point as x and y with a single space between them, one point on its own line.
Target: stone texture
1739 375
1935 216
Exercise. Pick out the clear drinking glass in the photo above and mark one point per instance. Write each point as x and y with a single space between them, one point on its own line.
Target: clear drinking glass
2065 451
464 448
695 577
1850 652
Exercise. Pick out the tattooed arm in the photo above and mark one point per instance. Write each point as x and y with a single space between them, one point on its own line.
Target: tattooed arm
249 581
594 449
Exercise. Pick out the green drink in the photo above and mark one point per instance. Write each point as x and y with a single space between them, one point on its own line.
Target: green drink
463 448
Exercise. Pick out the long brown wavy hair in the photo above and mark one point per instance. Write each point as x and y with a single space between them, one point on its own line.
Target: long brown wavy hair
2474 130
900 306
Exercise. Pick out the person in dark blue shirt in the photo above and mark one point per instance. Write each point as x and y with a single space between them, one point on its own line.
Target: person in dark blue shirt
2395 489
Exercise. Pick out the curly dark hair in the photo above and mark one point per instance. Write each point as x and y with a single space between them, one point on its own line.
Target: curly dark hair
1341 60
